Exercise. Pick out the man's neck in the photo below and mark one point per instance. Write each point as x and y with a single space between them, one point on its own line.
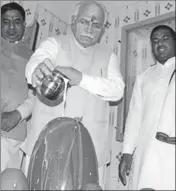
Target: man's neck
165 63
10 42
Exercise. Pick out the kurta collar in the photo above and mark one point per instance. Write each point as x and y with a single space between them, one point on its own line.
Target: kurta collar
169 63
169 66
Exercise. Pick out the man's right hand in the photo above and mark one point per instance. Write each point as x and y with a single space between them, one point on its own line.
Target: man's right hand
43 69
9 120
125 167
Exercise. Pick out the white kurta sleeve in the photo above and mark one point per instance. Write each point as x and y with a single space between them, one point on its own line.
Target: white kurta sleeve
134 119
47 49
25 109
110 88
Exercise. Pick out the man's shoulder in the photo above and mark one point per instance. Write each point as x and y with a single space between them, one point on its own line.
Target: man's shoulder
105 49
24 52
147 71
61 39
103 52
145 76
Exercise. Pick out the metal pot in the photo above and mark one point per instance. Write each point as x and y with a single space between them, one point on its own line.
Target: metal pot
51 90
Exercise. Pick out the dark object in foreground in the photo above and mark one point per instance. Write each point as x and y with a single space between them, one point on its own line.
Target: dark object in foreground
63 158
165 138
13 179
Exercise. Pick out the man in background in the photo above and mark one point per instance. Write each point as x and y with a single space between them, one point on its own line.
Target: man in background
94 76
16 104
144 116
160 171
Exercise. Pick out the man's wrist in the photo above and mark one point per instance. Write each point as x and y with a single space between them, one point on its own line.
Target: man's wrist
17 115
127 154
80 79
77 81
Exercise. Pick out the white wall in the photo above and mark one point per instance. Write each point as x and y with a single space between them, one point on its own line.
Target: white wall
61 9
64 9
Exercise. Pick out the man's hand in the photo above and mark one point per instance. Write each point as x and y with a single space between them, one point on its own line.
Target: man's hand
9 120
74 75
125 167
43 69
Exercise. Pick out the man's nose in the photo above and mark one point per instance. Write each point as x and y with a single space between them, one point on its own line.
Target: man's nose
89 28
160 42
12 25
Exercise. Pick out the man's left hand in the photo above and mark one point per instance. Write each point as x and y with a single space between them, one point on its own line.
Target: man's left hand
9 120
74 75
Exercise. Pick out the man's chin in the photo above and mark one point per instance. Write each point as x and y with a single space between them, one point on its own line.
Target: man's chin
84 44
12 39
87 45
163 60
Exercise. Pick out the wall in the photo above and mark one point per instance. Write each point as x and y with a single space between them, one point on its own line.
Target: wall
65 9
54 17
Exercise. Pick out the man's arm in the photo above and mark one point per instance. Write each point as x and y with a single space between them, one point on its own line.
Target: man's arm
25 109
46 50
10 120
110 88
134 119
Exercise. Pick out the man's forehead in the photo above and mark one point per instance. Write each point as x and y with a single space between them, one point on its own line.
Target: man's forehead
92 11
12 14
161 32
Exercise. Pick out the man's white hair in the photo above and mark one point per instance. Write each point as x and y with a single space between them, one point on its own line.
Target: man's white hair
78 5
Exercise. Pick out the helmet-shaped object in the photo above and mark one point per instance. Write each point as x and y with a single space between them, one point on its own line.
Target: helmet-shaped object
13 179
63 158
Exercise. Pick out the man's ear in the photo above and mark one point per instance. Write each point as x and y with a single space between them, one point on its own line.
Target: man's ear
174 35
73 22
101 34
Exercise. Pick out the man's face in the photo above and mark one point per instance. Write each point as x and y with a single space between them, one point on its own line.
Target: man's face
12 26
89 25
163 45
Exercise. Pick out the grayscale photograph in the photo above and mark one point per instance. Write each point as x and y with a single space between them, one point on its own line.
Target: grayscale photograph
87 95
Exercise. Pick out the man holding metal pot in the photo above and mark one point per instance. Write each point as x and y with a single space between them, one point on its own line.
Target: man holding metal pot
93 73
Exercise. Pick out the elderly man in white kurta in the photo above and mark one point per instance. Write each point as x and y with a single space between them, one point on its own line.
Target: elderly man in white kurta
145 109
94 76
16 103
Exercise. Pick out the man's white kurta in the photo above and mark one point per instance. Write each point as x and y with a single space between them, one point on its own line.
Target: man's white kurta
104 85
14 96
159 164
144 112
